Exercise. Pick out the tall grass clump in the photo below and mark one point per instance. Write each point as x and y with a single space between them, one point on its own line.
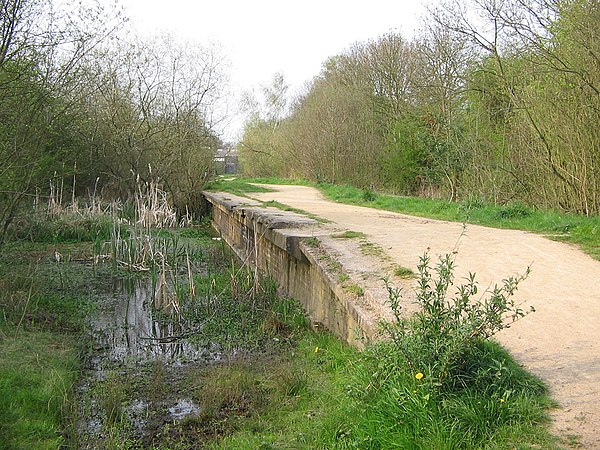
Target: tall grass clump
152 206
238 308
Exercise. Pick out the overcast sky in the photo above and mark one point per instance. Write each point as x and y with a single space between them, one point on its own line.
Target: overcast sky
263 37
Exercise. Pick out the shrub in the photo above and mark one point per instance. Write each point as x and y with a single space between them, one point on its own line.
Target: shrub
441 339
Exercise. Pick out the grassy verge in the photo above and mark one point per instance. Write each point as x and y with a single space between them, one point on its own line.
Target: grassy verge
234 186
40 325
37 372
573 228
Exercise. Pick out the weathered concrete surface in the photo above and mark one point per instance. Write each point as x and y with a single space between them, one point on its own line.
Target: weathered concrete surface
308 264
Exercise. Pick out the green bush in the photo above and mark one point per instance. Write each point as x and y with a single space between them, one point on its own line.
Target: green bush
446 333
440 381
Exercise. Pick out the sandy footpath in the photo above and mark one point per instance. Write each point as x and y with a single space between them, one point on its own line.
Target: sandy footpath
560 341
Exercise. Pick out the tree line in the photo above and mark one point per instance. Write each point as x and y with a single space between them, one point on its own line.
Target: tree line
85 100
492 101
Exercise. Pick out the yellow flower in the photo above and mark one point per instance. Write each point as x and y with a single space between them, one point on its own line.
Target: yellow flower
502 400
419 375
316 349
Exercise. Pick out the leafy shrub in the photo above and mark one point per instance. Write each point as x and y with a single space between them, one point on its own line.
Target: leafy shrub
442 338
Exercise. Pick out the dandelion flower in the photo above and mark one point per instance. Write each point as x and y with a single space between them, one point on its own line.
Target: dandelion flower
316 349
419 375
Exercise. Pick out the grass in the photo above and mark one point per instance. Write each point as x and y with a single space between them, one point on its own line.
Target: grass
235 186
572 228
39 352
324 394
369 248
236 310
355 289
44 307
68 227
37 372
349 235
343 277
404 272
312 241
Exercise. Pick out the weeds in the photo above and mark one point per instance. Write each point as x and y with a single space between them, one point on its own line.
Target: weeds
370 249
37 371
354 289
404 272
312 241
350 235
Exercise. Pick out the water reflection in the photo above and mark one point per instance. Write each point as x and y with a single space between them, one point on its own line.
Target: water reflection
128 328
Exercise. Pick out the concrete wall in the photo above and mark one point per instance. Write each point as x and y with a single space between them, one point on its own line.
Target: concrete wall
277 242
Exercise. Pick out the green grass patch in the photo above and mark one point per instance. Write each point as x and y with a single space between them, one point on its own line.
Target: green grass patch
349 235
37 372
284 207
235 186
64 228
323 394
312 241
44 307
369 248
354 289
404 272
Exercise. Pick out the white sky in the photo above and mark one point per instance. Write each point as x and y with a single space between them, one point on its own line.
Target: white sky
263 37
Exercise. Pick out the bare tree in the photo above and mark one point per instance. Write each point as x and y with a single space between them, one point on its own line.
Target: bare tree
40 57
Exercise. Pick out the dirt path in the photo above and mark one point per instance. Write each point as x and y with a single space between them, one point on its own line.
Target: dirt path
560 342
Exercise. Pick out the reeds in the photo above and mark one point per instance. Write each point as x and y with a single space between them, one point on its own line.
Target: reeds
152 206
132 245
